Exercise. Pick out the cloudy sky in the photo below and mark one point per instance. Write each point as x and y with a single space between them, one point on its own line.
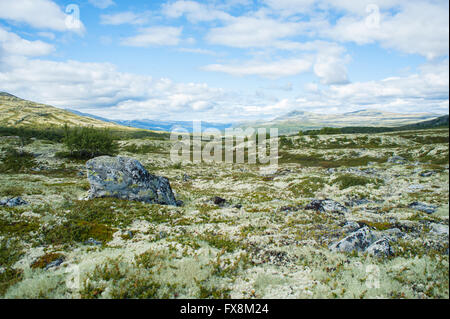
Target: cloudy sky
226 60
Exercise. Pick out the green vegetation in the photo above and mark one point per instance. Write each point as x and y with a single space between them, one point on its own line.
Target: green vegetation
348 180
16 161
87 142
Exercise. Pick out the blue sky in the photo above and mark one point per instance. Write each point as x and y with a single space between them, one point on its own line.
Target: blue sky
226 60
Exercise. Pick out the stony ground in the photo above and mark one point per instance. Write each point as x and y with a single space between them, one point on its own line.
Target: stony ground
264 241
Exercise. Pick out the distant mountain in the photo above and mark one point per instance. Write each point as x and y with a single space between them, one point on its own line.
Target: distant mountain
155 125
18 112
301 120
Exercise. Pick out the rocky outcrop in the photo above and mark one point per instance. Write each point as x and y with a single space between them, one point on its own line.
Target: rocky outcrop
327 206
358 241
380 248
13 202
126 178
426 208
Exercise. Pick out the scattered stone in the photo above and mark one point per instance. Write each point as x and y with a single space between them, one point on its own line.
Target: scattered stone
359 241
238 206
80 173
54 263
186 178
13 202
396 160
426 208
427 173
126 178
380 248
327 206
219 201
162 234
92 241
179 203
415 187
439 229
357 202
288 209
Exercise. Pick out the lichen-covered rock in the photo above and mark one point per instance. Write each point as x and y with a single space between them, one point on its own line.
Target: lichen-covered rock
426 208
358 241
439 229
327 206
380 248
13 202
396 160
126 178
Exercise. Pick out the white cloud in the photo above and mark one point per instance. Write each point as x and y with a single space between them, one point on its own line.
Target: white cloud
194 11
154 36
12 44
41 14
102 4
127 17
246 32
272 70
417 28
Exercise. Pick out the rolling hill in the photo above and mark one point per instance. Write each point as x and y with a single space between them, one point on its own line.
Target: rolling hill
18 112
302 120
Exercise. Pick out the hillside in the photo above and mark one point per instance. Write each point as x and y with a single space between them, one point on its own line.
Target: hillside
301 120
15 112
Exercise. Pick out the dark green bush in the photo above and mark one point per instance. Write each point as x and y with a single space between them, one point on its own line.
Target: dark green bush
16 161
88 142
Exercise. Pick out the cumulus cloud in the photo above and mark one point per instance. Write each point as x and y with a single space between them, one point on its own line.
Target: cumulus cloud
41 14
417 28
102 4
126 17
273 70
12 44
194 11
154 36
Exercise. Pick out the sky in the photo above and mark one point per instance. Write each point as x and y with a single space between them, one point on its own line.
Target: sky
226 60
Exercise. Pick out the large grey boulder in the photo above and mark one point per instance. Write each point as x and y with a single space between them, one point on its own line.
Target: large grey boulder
126 178
358 241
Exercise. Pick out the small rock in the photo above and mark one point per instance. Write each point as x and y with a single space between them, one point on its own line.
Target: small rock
357 202
2 270
380 248
80 173
326 205
54 263
179 203
426 208
186 178
13 202
439 229
219 201
359 241
396 160
92 241
238 206
427 173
